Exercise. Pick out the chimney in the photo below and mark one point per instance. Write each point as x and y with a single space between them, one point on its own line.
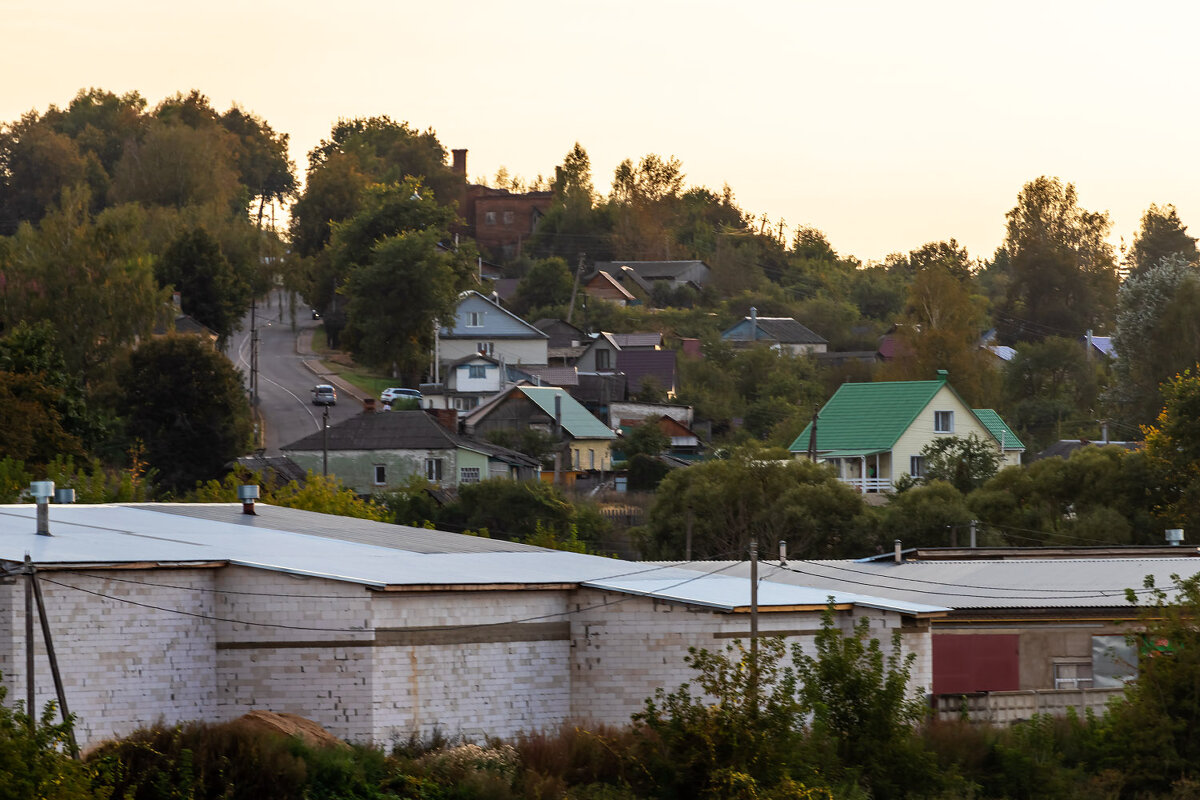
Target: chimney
177 299
248 493
753 324
446 417
42 491
459 166
782 553
558 413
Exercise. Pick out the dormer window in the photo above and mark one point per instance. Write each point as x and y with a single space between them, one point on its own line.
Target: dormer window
943 422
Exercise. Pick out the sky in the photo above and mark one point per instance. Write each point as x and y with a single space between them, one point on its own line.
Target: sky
886 125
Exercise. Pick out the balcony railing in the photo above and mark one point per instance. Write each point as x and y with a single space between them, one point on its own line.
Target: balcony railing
864 485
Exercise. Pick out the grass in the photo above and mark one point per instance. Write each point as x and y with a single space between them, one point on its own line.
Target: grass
369 384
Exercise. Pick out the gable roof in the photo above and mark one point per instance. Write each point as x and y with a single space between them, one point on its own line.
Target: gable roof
996 426
576 420
641 364
517 327
785 330
603 281
634 340
654 270
400 430
869 416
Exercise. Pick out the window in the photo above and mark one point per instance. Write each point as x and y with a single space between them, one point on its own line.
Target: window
475 319
468 475
943 422
433 469
489 218
380 475
508 218
485 348
602 359
575 453
916 466
465 403
591 459
476 371
1073 675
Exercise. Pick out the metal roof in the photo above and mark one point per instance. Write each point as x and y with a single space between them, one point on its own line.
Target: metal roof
319 545
576 420
997 427
963 585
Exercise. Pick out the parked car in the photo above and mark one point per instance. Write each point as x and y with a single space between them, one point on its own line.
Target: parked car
324 395
392 395
316 314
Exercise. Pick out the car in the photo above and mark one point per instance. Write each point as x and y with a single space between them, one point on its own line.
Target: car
316 314
394 394
324 395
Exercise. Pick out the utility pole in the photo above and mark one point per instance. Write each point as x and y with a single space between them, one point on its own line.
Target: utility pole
253 353
48 640
325 443
687 548
754 620
575 287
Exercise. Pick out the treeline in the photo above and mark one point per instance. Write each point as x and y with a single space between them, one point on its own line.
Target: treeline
841 721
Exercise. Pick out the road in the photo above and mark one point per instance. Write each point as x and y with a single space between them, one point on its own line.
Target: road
286 372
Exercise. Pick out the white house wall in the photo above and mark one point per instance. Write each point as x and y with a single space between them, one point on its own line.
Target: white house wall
532 352
921 432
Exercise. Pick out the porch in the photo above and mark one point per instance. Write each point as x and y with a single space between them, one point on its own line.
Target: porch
868 471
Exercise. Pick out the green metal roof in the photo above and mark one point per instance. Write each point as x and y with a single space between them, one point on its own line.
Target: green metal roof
576 420
868 416
991 420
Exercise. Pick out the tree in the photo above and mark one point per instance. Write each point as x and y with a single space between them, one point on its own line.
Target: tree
1173 445
965 462
862 703
186 404
573 223
725 502
547 283
1157 335
176 165
262 159
1161 235
1051 390
932 514
210 289
1063 270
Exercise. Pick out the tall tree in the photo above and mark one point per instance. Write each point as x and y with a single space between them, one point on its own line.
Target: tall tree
1160 235
573 223
210 288
1157 335
185 403
1063 270
1173 445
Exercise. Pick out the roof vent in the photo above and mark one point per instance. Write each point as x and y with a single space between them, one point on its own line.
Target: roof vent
42 491
64 496
248 493
1175 536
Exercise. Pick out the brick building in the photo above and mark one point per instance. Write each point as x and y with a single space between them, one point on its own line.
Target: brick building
180 612
499 220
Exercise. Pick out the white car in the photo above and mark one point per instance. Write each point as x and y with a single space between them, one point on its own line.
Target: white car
390 396
324 395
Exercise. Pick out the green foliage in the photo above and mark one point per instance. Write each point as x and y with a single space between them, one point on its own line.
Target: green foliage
33 762
519 510
210 288
1173 447
1161 235
861 701
646 438
754 494
547 283
965 462
934 514
186 403
1050 390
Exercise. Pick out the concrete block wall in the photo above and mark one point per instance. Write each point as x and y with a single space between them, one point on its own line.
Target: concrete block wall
299 645
481 663
133 647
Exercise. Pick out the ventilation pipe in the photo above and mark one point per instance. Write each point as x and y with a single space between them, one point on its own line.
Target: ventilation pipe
898 554
42 491
248 494
1175 536
782 553
64 496
753 323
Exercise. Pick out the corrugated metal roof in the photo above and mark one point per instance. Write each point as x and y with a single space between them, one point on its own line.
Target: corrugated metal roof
996 426
869 416
576 419
320 545
1000 584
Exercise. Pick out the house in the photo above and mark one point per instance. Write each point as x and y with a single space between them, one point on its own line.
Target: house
470 380
378 451
600 354
874 432
675 274
685 444
603 286
784 334
480 325
586 440
172 321
177 612
1030 629
567 343
499 220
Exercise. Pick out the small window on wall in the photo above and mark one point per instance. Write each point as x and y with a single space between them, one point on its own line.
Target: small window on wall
475 319
602 359
1073 675
489 218
476 371
468 475
943 422
380 475
433 469
916 466
508 218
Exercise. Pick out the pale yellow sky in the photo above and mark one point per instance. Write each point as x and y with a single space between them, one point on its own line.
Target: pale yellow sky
884 124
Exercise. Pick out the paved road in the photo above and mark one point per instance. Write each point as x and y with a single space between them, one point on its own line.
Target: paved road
287 370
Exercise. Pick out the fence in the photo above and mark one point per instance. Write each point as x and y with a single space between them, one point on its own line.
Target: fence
1005 708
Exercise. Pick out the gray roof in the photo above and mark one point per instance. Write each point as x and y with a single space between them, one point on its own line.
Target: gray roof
978 584
373 554
785 330
652 270
400 430
645 340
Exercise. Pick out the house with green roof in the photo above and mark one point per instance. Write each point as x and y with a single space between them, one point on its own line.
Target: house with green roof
549 409
874 432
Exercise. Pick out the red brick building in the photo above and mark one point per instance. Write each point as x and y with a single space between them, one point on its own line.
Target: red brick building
499 220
